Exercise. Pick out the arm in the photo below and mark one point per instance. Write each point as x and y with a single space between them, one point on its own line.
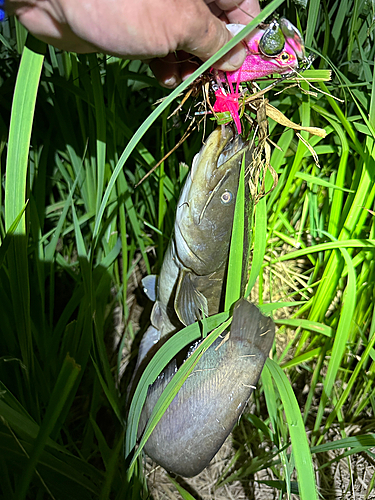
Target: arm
140 29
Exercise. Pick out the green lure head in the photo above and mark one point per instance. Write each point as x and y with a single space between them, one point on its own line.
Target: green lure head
277 34
272 42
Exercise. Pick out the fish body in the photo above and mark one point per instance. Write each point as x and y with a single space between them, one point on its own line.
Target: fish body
274 48
190 285
212 398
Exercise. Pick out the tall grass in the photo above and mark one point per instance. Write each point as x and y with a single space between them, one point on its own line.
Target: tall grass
77 134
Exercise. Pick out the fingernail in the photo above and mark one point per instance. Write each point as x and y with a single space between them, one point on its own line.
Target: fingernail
233 60
169 83
235 28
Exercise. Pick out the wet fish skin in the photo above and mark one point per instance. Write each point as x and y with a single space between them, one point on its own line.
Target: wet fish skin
190 284
203 219
213 397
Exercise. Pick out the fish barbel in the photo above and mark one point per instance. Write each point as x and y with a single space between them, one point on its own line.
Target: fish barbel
190 285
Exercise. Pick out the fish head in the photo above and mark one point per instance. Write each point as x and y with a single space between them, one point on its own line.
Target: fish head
205 211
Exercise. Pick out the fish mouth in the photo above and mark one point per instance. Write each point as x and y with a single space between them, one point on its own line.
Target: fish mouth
231 148
220 147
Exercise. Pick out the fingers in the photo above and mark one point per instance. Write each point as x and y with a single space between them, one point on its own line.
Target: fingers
206 35
45 23
233 59
173 69
240 12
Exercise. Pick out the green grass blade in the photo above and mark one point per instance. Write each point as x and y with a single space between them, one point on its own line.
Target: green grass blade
320 182
341 338
235 264
8 237
65 382
313 326
353 243
260 240
185 494
49 250
111 471
100 128
22 114
300 445
23 107
353 379
314 6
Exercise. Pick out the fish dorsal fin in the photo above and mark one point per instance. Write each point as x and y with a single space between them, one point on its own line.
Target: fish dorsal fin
190 304
150 286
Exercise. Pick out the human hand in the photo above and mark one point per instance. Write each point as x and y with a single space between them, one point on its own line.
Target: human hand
163 32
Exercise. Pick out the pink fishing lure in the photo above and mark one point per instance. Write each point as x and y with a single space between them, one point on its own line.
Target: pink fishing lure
257 64
275 48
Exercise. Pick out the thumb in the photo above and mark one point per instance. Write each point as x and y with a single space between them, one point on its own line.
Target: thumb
208 35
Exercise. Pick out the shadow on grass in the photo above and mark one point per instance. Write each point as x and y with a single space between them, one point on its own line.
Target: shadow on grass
54 324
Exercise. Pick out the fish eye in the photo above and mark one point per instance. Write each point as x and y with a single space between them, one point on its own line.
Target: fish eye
226 197
285 56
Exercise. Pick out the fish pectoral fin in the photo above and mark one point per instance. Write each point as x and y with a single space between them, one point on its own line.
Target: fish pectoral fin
190 304
150 286
157 315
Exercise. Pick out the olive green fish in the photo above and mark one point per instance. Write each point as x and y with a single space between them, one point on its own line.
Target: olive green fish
191 285
191 281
